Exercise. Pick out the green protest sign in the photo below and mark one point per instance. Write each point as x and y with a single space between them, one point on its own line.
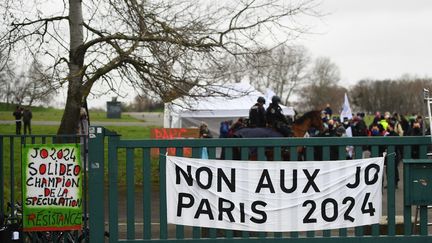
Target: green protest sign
52 187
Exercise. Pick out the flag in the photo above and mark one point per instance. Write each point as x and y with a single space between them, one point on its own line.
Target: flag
347 113
346 110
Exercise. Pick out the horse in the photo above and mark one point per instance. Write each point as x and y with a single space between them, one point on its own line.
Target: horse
298 128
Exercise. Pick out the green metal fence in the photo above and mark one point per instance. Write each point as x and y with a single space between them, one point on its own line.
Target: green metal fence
10 180
127 187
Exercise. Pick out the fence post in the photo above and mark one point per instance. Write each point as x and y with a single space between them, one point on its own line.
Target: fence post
96 184
2 211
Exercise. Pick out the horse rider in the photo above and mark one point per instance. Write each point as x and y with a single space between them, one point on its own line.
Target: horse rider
257 114
276 119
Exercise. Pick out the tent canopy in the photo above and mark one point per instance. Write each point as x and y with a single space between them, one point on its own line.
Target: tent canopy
228 102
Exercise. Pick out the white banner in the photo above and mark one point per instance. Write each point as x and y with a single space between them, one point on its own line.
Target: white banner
276 196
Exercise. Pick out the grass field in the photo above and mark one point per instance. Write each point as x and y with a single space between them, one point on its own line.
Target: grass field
11 161
52 114
11 157
126 132
56 115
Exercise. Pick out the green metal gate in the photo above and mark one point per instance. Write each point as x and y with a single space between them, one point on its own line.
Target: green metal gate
127 188
10 189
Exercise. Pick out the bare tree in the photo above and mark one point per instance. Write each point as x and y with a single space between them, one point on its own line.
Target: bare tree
289 70
315 97
162 47
38 87
26 87
403 95
140 104
3 61
361 97
11 84
18 88
230 69
282 69
324 72
5 86
323 87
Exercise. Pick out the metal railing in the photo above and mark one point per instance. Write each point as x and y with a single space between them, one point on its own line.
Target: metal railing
11 186
127 185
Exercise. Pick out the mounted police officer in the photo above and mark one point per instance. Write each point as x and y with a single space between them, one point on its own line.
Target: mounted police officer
257 114
276 118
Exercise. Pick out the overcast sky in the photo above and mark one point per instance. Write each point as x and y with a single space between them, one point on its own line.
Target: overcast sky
375 39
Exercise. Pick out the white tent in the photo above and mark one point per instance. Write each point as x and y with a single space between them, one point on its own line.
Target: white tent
235 103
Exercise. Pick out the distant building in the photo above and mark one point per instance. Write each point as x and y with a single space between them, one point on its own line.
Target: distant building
113 108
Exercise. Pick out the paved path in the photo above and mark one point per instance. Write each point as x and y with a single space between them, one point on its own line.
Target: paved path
148 118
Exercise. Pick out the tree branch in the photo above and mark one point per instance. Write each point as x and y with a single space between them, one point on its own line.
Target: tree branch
44 20
113 64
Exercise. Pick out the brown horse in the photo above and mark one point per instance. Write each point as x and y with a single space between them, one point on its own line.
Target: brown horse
305 122
299 129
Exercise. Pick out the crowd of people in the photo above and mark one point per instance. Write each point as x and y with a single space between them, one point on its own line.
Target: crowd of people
386 124
383 124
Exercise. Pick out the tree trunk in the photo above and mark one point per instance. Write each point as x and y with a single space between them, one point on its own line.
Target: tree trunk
70 119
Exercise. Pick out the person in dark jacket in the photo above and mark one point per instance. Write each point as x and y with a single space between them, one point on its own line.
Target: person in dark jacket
276 118
328 111
398 152
359 125
18 116
257 114
27 116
